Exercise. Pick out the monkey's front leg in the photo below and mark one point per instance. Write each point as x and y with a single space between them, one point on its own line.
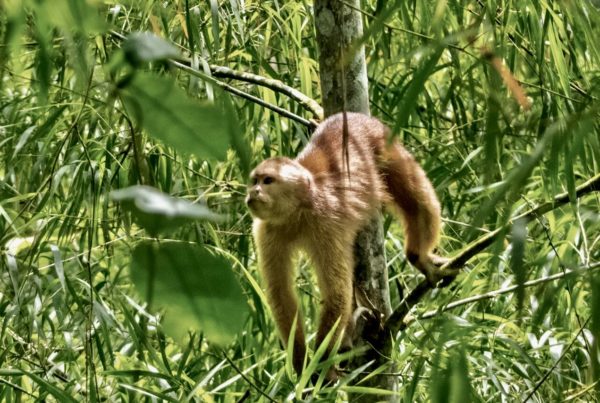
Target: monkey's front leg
334 264
275 261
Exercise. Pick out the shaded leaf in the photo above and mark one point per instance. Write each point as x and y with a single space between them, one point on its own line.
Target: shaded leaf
409 100
142 47
196 288
460 386
238 141
168 114
595 328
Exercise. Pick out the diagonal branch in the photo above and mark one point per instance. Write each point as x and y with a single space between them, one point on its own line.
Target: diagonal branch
283 112
395 322
276 85
505 290
479 245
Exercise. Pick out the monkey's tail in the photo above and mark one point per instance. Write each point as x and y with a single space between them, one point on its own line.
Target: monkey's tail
415 198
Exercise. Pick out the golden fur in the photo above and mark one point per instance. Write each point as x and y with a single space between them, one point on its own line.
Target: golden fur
312 203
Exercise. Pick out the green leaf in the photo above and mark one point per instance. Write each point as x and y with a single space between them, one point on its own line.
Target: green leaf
196 288
460 387
46 386
409 100
22 140
158 212
518 239
168 114
72 15
142 47
238 141
595 327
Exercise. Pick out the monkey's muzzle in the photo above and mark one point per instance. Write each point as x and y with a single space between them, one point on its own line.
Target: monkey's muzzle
252 202
256 206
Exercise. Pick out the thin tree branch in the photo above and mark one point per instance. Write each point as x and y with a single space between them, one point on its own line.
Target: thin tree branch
246 379
276 85
459 261
395 322
242 94
306 102
506 290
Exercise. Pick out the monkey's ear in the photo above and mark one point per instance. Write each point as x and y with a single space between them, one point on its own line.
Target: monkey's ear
308 180
306 196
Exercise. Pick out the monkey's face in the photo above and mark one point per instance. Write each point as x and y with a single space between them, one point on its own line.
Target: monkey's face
278 189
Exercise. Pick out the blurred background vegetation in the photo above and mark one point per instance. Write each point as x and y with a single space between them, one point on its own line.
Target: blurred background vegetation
507 119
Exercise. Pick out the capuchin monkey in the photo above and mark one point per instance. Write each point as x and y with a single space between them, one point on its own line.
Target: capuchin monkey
319 201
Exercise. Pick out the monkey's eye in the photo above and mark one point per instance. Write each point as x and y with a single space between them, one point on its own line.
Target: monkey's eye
268 179
253 181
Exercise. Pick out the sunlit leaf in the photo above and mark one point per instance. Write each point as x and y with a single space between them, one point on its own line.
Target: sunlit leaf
158 212
50 388
70 15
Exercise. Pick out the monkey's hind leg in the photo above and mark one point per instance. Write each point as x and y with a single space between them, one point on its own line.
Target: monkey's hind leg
415 197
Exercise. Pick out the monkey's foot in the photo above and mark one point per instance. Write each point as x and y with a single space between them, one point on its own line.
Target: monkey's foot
332 376
438 261
431 269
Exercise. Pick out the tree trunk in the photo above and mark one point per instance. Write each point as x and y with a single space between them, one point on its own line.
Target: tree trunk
344 87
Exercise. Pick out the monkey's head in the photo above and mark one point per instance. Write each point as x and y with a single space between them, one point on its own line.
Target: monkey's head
279 188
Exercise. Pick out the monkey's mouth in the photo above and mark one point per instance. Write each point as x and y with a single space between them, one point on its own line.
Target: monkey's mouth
254 204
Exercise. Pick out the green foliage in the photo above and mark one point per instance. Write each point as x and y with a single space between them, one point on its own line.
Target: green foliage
499 100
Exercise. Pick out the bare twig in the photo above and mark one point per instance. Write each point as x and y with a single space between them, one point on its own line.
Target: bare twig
396 321
246 379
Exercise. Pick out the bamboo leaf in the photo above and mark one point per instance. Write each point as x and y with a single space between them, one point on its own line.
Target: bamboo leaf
411 95
46 386
518 239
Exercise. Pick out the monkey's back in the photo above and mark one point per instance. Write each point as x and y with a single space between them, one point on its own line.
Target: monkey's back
350 190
